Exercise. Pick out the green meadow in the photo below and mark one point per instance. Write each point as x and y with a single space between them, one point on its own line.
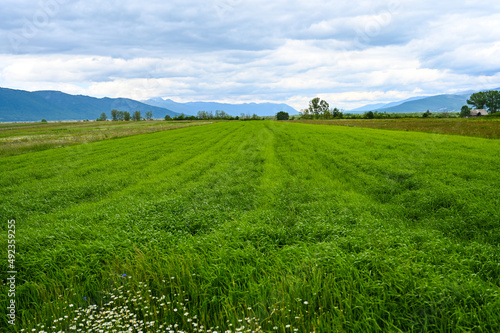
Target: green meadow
483 127
22 138
255 226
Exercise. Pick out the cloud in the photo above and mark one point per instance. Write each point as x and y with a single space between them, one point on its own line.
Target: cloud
235 50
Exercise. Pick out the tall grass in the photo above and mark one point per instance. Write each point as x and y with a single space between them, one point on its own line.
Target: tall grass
16 139
258 226
485 127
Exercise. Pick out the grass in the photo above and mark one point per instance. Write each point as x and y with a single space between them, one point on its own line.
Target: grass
486 127
16 139
257 226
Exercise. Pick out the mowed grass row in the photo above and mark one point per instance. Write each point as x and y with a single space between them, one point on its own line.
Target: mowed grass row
263 225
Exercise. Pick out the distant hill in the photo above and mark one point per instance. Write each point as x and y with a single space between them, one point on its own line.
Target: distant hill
371 107
439 103
192 108
20 105
170 104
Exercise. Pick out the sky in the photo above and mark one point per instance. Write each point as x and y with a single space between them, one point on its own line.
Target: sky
349 53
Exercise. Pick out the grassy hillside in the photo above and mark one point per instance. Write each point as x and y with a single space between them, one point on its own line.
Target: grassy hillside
257 226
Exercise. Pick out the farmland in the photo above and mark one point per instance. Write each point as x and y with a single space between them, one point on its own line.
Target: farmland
486 127
257 226
21 138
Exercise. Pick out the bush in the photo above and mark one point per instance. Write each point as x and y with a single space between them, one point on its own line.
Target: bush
282 115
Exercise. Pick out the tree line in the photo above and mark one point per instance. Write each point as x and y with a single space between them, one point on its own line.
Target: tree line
126 116
218 115
320 109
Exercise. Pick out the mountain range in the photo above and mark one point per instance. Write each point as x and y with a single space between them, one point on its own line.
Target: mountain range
192 108
20 105
438 103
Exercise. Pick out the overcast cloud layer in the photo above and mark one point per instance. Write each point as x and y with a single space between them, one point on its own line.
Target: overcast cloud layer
350 53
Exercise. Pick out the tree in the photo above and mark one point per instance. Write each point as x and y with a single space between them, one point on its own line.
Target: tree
221 114
114 114
304 114
44 120
493 101
336 113
149 115
282 115
426 114
478 100
167 117
202 115
323 107
103 117
485 99
465 111
317 107
314 106
137 116
369 115
126 116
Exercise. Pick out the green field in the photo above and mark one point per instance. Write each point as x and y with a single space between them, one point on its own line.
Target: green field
22 138
484 127
256 226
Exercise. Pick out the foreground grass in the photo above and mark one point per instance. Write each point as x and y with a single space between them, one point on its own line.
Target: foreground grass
257 226
16 139
477 127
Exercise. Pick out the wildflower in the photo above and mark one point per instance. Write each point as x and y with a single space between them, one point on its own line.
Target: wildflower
124 275
306 302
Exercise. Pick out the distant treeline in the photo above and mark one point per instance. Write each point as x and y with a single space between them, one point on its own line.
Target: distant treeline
125 115
320 109
218 115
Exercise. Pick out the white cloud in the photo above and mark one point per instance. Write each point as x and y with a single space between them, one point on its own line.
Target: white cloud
235 50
